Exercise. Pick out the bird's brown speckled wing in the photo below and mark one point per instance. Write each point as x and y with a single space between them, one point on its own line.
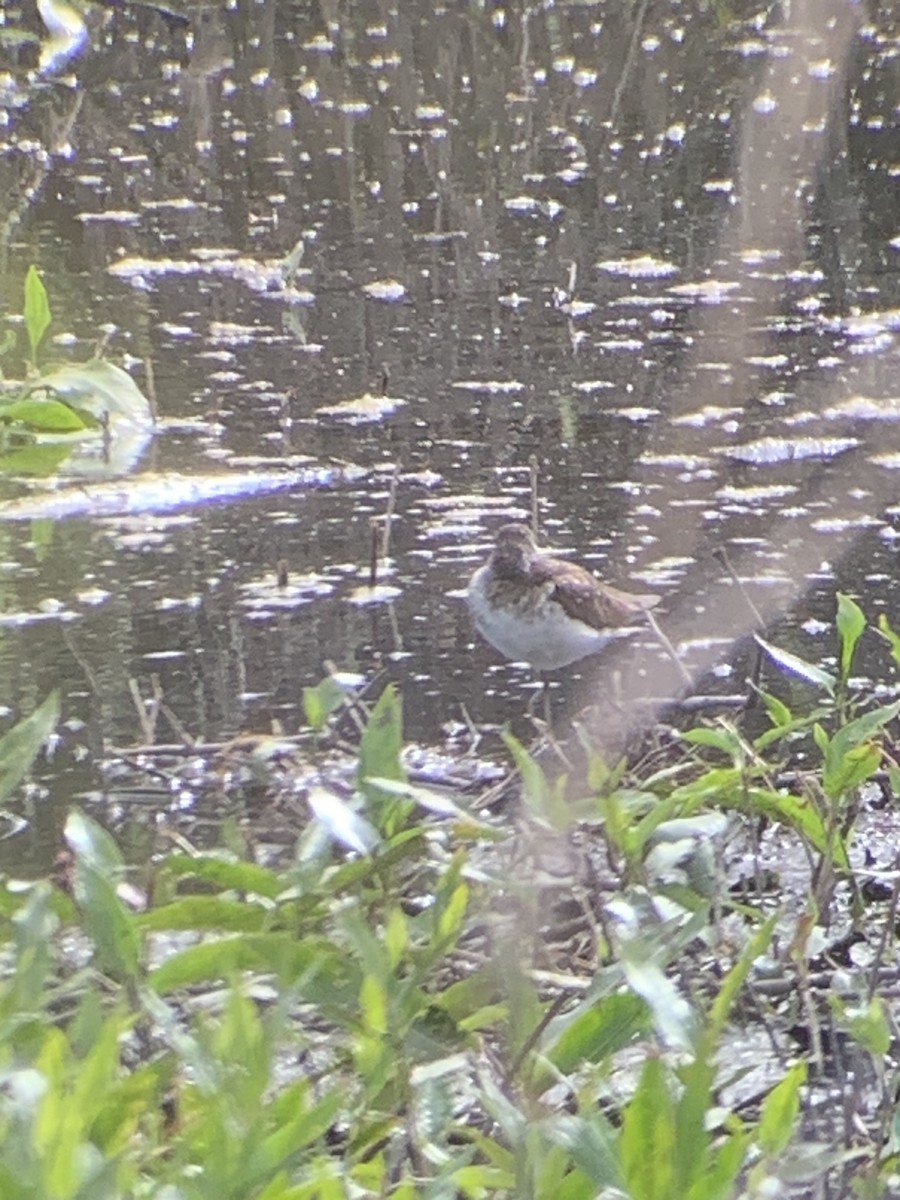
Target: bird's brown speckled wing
585 598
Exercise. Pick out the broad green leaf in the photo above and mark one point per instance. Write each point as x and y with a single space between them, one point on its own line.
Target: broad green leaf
799 814
428 798
780 1112
396 936
854 768
43 414
793 665
373 1004
850 623
37 309
19 746
98 864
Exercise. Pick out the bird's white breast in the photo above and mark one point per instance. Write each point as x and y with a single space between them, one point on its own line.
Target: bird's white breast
545 636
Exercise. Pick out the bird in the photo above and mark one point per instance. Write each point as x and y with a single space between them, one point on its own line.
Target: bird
545 611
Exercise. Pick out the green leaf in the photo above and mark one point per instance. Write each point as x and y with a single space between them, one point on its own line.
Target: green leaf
379 756
19 746
37 459
648 1136
868 1024
725 739
793 665
850 623
283 1145
107 922
734 980
248 878
277 953
892 638
594 1146
37 309
723 1169
691 1136
850 756
43 414
856 766
91 844
859 731
206 912
595 1032
780 1112
535 788
321 701
100 389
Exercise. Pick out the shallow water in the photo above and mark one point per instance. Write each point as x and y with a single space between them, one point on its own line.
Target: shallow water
656 250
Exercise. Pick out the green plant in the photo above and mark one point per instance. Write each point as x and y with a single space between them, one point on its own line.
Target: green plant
61 400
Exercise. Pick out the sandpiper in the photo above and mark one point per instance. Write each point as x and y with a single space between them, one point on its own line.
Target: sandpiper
545 611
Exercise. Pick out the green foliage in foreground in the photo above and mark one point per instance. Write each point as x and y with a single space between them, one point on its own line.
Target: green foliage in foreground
368 1020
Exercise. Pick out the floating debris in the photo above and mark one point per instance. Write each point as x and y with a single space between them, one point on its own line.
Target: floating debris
361 409
388 290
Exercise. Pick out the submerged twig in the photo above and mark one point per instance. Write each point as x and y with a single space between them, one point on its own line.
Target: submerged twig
669 649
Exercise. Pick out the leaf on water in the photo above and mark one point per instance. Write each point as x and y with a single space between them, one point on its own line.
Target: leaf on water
345 826
37 309
390 290
321 701
45 415
361 409
798 666
100 389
